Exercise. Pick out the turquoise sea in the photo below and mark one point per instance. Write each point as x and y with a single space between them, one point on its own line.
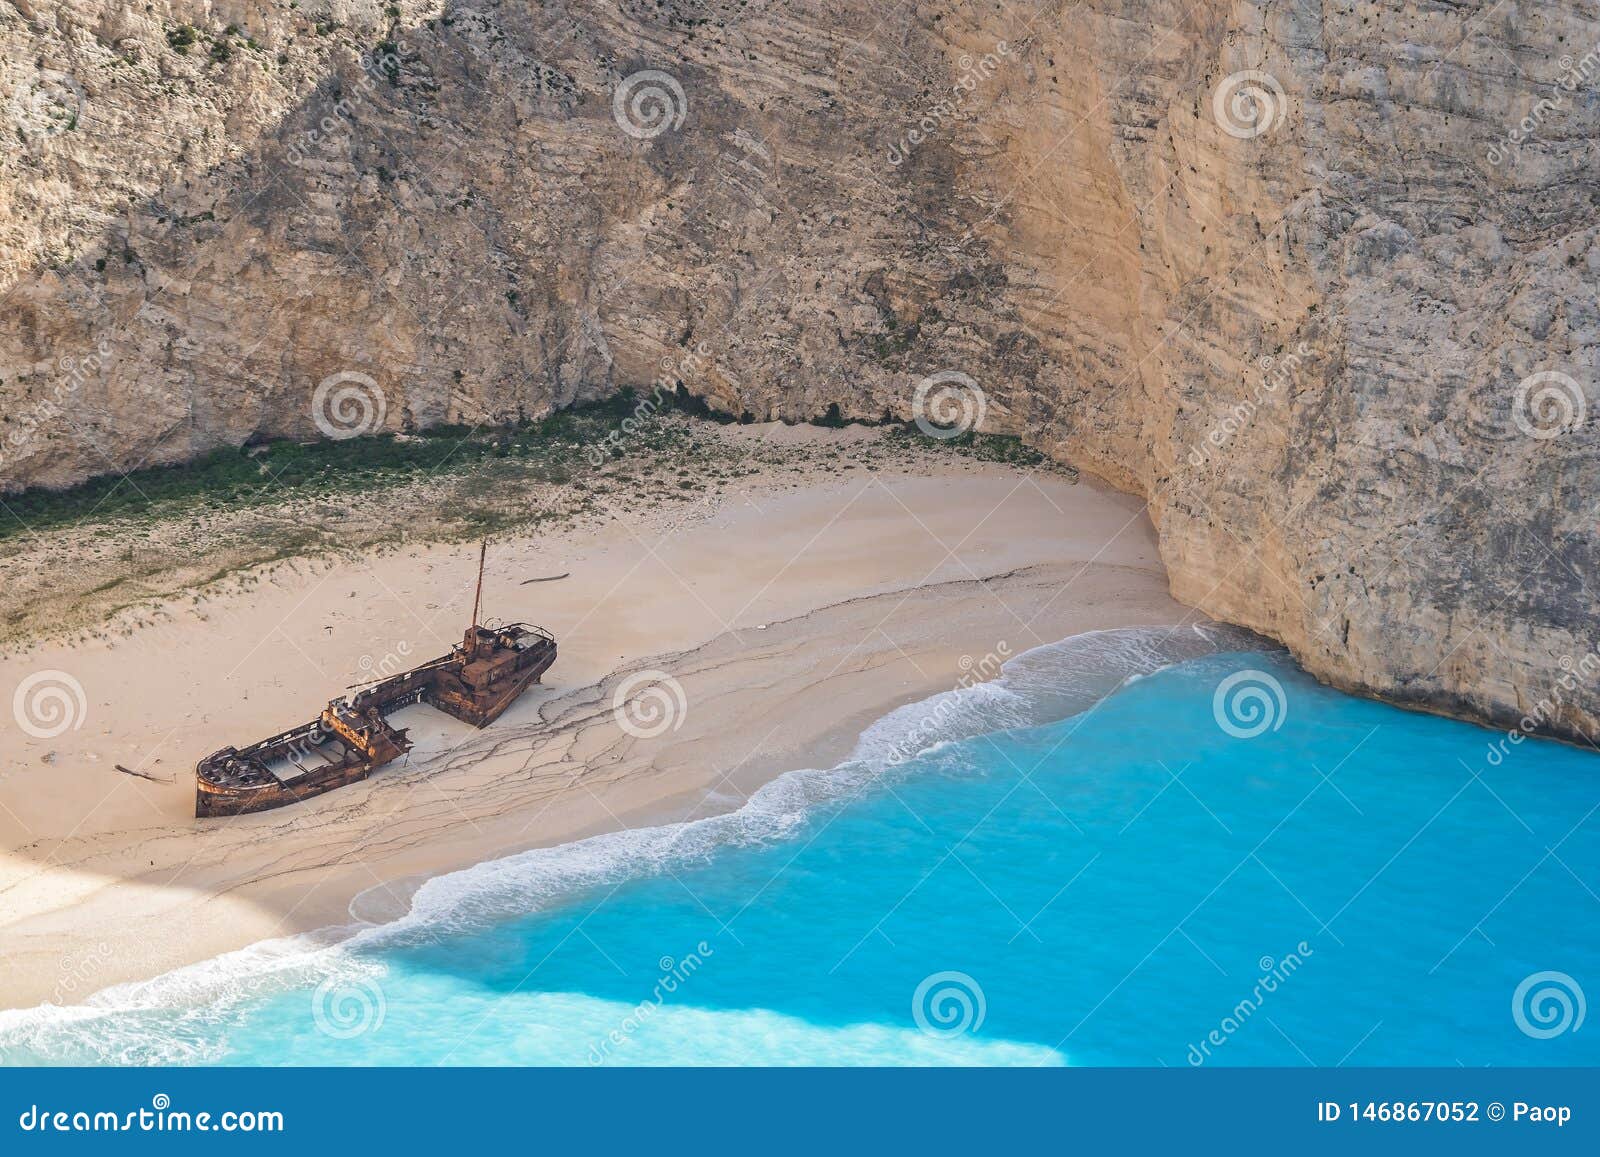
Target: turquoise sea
1135 848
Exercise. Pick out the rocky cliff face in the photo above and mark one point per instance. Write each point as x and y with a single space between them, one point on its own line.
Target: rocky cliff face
1315 279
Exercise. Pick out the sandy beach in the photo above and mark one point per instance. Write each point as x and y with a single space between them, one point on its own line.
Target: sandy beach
791 613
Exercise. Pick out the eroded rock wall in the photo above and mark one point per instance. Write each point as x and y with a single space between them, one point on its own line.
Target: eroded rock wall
1316 279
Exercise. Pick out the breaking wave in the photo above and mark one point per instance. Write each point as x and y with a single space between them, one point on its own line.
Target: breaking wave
183 1017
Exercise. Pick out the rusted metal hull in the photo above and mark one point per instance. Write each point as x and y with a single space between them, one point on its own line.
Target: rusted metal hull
455 698
214 800
352 738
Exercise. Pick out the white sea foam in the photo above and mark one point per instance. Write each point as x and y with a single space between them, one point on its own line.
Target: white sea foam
182 1016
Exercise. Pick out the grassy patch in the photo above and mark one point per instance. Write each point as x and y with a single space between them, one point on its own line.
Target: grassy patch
273 471
981 447
486 468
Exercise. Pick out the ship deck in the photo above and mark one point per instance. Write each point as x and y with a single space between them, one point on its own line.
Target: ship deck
357 734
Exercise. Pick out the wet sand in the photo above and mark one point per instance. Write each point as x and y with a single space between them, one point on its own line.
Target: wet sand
790 616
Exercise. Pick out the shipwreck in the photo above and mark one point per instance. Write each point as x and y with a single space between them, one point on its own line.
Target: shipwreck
480 677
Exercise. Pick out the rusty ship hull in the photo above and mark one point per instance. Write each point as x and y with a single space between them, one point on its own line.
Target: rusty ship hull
480 677
352 737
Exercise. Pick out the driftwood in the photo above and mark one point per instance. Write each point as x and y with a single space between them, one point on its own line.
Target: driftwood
549 578
140 774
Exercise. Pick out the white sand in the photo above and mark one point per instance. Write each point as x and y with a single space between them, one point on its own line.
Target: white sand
791 617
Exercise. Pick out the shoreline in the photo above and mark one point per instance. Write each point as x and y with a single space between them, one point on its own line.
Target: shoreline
801 616
1052 683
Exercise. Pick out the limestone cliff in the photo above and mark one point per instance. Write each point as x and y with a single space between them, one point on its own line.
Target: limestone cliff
1316 279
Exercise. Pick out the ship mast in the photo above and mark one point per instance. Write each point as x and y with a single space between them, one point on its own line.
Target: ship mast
477 598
